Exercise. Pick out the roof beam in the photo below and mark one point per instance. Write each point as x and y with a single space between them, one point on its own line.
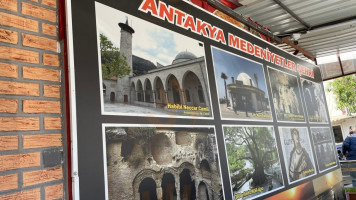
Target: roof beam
301 50
291 13
332 24
242 19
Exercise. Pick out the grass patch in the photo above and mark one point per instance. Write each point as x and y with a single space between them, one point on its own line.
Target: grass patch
350 190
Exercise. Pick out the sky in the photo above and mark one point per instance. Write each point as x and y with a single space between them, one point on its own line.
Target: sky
150 41
232 66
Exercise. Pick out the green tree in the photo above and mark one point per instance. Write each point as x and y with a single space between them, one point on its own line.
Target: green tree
112 63
234 153
259 148
344 89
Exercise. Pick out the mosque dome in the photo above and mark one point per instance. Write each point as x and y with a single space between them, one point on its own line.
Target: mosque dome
246 79
183 56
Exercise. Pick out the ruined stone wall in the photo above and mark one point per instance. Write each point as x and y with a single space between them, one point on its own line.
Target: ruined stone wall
166 152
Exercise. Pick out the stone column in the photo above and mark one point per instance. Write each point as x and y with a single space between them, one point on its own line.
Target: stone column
144 96
210 192
231 99
182 97
196 183
159 191
166 96
154 98
176 179
132 92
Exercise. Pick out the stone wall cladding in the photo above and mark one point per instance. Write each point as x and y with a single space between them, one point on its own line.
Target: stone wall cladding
31 101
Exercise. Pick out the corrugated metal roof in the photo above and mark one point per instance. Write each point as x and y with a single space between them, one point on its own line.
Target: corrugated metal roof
323 38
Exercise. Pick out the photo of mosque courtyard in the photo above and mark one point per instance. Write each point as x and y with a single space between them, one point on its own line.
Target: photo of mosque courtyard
168 77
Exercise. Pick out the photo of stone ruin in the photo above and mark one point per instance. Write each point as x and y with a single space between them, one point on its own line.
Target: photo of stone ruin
148 163
286 96
314 101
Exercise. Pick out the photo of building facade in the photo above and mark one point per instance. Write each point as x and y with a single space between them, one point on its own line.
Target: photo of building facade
241 87
162 163
177 88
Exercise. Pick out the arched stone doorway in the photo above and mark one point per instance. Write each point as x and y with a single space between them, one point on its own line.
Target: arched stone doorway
194 94
147 189
187 186
168 187
112 97
139 91
173 90
160 93
203 191
148 91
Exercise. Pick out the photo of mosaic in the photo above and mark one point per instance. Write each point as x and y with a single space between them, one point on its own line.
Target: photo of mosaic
297 153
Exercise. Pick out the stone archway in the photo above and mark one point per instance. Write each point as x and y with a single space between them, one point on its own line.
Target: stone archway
112 97
187 185
173 90
139 91
168 187
148 91
161 98
203 191
147 189
193 91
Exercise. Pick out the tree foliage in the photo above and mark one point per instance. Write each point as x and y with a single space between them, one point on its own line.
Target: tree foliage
255 144
234 156
344 89
113 64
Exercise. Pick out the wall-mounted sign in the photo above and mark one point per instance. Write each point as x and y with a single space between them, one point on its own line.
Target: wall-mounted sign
171 102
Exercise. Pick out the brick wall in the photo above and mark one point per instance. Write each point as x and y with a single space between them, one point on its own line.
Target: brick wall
32 138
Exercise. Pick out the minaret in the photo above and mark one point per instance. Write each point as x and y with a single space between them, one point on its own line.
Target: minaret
126 42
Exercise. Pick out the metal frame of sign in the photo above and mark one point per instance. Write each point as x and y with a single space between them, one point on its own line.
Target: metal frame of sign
230 38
